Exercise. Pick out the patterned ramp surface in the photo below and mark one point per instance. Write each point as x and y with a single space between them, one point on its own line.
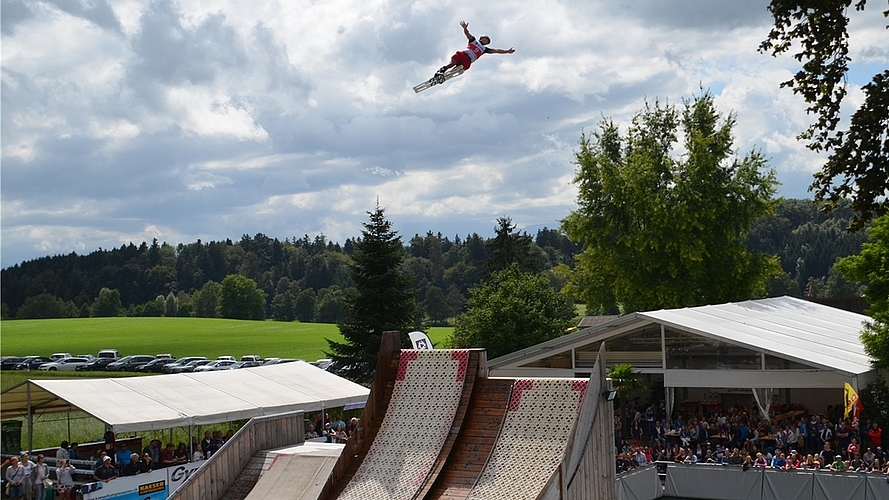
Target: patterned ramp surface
421 411
532 440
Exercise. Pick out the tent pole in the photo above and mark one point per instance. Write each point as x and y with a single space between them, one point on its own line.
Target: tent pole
30 418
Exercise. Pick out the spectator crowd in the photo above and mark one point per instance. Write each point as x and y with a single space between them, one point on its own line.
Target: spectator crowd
737 436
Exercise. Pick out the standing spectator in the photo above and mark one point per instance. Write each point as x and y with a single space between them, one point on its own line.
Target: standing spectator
28 485
650 418
875 434
62 452
39 473
122 457
230 434
65 475
106 472
207 444
15 476
844 437
153 450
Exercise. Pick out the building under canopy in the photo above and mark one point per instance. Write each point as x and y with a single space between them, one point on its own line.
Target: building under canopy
778 350
134 404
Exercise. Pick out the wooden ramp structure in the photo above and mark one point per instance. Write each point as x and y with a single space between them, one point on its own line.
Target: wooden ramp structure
436 427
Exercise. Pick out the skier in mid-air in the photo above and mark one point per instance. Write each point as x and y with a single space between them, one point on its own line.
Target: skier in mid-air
463 58
471 53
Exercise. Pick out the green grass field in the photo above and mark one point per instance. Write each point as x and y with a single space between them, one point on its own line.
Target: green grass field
178 336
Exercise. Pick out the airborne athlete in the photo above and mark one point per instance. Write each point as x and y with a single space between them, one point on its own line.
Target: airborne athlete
462 59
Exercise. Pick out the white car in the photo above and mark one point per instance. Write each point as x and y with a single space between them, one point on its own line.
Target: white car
219 364
63 365
60 356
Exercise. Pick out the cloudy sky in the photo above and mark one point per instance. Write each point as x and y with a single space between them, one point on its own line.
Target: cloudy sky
127 120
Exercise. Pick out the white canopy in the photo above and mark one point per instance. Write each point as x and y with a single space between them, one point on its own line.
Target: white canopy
163 401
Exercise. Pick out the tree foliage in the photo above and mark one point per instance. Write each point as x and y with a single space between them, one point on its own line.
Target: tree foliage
872 266
661 231
383 300
856 166
511 311
46 305
240 298
510 248
107 304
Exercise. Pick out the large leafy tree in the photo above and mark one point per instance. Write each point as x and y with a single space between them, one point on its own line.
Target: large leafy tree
511 311
107 304
857 164
661 230
383 300
872 266
240 298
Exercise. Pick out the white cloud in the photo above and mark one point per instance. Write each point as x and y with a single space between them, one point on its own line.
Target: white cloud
209 119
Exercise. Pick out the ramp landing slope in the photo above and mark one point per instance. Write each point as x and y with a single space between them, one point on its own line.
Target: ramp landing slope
439 428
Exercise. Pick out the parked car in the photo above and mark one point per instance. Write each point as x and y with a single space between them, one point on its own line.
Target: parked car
96 365
155 365
170 368
322 363
128 363
213 366
225 358
245 364
32 362
10 362
251 357
89 357
109 353
63 365
60 355
278 361
190 366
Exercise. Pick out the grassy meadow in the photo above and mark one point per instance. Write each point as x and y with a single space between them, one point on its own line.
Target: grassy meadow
178 336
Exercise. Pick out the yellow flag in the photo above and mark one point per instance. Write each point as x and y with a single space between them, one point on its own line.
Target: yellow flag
853 404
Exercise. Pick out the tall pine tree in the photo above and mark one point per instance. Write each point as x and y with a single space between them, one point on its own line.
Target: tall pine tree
383 302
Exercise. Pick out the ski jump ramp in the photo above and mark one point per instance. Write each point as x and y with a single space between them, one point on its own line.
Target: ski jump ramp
436 427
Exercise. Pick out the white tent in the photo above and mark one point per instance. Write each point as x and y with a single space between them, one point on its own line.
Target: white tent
183 400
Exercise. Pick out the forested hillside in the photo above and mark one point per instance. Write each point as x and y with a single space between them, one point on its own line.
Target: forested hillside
306 278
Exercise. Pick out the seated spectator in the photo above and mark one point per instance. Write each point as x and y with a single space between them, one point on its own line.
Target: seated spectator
72 451
856 462
329 433
106 472
146 464
168 457
838 465
153 450
198 455
778 461
181 454
310 432
868 457
876 467
132 466
340 434
100 459
760 461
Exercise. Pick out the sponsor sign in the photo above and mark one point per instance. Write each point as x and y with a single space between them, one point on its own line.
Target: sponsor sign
154 485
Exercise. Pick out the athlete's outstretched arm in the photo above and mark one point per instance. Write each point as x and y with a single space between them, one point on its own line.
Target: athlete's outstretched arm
499 51
466 32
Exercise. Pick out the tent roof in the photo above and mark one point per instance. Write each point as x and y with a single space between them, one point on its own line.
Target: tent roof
807 332
163 401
